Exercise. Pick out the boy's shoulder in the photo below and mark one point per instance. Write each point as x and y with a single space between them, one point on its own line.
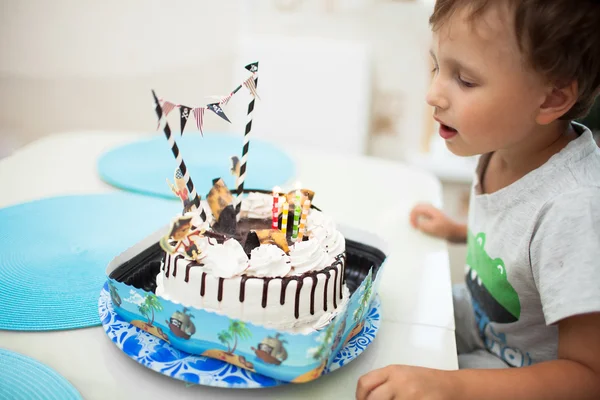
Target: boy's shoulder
569 179
575 169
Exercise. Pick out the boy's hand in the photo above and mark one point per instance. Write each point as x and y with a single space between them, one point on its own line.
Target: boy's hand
402 382
434 222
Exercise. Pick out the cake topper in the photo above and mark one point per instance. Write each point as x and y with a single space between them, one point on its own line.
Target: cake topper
235 166
220 201
181 191
273 236
194 198
181 238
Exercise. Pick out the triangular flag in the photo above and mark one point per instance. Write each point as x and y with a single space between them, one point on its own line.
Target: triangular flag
167 108
185 114
249 83
199 116
253 67
216 108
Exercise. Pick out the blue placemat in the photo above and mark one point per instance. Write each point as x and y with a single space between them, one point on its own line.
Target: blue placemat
23 378
54 253
144 165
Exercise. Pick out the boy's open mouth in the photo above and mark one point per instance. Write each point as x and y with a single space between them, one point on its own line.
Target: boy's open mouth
449 128
447 132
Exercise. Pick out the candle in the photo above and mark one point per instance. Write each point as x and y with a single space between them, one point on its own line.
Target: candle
297 211
275 221
284 217
302 228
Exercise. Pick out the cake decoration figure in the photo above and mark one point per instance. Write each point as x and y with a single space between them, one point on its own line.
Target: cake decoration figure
184 238
235 166
180 190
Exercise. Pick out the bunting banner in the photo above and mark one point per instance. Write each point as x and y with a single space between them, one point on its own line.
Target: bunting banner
217 108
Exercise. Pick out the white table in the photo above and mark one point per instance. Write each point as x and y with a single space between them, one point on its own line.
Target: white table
417 326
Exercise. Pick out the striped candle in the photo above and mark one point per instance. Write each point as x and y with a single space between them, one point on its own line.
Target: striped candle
275 222
242 176
284 217
303 218
297 211
194 198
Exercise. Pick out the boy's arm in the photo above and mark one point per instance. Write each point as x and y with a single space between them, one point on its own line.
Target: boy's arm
459 234
575 375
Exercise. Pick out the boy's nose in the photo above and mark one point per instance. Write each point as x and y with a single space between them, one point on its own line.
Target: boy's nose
435 97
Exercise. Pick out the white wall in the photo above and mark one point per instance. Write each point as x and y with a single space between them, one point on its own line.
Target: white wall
72 65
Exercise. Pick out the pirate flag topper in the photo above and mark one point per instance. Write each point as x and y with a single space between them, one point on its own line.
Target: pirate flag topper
216 108
185 114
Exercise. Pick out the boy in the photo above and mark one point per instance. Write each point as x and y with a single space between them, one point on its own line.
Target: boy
509 77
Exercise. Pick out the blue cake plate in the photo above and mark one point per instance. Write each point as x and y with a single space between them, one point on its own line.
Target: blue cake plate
161 357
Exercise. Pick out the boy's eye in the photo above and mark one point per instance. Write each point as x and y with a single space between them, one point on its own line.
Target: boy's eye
466 83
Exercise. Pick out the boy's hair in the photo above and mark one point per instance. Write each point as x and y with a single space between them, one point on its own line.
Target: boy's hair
560 39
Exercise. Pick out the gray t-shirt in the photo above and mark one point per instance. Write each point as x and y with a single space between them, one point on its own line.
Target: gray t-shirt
534 253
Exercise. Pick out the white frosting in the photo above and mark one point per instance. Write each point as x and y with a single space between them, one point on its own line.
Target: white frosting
268 260
225 260
327 317
322 228
229 261
275 315
307 256
258 205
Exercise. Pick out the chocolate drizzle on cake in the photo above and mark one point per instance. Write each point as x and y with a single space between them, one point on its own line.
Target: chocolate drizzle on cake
328 275
187 270
335 287
177 258
203 284
284 284
168 266
312 295
265 292
299 284
337 267
220 293
243 288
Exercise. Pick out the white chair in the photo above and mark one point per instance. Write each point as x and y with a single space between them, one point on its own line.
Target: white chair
314 92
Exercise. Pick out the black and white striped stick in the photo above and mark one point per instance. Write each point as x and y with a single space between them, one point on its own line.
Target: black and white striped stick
244 160
194 198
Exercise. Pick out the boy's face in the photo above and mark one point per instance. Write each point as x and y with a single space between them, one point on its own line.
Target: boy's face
484 97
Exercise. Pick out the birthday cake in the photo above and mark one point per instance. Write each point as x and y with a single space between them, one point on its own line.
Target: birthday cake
270 267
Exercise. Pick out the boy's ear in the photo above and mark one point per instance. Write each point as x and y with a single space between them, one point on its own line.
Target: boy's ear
557 103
